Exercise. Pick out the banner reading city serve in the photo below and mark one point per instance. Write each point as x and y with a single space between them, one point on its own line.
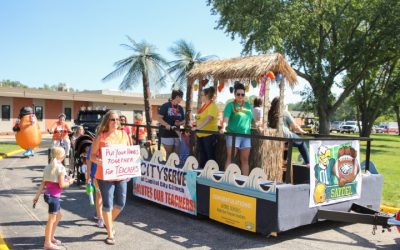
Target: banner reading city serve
120 162
335 173
169 186
233 209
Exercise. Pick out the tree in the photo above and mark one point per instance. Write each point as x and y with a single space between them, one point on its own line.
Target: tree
144 63
188 57
13 84
323 39
376 93
395 103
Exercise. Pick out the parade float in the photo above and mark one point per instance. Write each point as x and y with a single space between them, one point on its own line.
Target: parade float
277 195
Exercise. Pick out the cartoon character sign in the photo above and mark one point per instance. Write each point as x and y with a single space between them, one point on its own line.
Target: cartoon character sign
323 170
28 135
336 174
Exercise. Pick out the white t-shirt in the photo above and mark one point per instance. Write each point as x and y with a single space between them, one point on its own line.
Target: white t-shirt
52 176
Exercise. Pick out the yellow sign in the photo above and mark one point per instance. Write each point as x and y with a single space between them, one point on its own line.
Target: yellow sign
233 209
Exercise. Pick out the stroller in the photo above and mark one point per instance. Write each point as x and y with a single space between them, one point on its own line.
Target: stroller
79 156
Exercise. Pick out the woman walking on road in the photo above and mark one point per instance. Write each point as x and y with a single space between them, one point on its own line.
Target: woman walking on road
113 192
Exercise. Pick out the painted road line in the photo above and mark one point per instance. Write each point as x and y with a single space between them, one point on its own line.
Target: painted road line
11 153
3 245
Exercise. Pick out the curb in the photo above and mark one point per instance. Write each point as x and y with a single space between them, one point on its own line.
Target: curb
388 209
11 153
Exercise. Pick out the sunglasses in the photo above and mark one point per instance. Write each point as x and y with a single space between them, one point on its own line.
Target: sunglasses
114 119
239 94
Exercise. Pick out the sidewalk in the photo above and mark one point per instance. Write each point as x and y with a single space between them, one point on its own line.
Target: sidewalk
145 225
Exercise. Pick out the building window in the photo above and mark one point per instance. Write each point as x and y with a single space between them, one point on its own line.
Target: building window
39 113
68 112
5 112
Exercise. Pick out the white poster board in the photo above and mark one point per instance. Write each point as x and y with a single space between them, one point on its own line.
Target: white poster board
335 173
120 162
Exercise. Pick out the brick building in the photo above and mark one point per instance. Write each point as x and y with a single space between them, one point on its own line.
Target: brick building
49 104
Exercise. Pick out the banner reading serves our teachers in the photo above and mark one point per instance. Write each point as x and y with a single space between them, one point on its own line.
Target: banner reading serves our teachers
169 186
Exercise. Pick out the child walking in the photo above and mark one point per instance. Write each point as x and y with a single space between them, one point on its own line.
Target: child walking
54 179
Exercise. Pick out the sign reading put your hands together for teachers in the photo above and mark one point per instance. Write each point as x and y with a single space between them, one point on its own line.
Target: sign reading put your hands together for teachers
121 162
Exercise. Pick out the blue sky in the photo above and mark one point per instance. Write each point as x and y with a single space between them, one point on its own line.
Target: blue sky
76 42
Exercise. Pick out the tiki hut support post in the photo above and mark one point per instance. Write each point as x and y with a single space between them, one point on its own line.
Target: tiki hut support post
199 94
189 98
266 104
281 107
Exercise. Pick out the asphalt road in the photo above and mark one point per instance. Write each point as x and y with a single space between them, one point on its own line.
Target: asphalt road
145 225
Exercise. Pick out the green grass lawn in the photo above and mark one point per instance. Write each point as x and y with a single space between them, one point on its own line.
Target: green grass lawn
385 154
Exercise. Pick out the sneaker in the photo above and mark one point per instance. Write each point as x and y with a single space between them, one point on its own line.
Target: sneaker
100 223
95 217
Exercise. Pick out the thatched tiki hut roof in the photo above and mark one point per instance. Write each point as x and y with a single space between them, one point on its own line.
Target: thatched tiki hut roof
251 67
266 154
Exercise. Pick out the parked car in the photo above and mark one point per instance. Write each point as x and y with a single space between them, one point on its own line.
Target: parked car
380 129
349 127
90 119
335 126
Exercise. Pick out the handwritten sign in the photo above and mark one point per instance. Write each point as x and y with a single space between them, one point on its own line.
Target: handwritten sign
121 162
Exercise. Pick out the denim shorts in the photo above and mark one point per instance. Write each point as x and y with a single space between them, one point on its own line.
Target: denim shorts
173 141
240 142
113 194
54 203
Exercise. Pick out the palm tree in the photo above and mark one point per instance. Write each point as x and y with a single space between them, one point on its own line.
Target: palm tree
188 57
144 63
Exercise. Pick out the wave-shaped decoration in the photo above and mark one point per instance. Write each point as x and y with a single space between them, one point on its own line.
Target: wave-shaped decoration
191 163
209 170
157 157
173 160
255 177
272 189
144 155
231 173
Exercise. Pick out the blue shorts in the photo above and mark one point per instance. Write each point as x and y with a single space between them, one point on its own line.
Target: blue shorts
113 194
173 141
54 203
240 142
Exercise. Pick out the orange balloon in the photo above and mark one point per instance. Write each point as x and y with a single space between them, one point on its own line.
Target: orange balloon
221 85
271 75
29 135
247 88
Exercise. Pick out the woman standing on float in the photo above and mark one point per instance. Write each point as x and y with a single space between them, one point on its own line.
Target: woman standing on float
238 116
113 192
206 119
